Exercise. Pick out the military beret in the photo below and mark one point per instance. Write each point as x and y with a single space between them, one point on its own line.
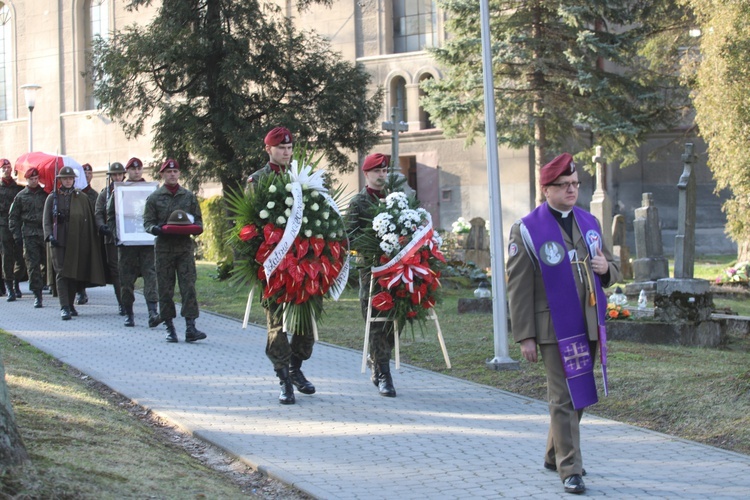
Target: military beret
169 163
279 135
4 162
87 167
133 163
561 165
32 172
376 160
66 172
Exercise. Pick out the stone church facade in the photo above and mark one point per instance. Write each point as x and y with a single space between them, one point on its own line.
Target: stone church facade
46 44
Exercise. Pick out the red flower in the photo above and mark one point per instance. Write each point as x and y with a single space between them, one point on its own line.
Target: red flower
402 293
429 302
335 248
272 234
411 314
248 232
301 246
317 244
382 301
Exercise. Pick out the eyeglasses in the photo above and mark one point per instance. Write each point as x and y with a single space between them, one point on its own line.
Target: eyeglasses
566 185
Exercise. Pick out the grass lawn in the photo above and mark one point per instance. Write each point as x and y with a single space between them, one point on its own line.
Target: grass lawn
695 393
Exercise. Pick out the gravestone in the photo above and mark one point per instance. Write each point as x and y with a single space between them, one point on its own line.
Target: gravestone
620 248
477 246
650 263
601 206
684 245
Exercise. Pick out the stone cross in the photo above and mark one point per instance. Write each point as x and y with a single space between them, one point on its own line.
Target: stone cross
684 245
394 128
601 205
650 264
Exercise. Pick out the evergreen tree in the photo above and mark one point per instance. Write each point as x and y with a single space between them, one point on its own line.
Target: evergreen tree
216 76
568 74
722 103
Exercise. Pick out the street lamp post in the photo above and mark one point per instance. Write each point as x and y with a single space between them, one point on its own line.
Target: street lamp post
29 93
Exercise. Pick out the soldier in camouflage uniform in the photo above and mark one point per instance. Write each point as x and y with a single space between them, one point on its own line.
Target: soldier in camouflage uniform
116 173
135 260
174 253
26 216
287 356
91 193
11 257
382 338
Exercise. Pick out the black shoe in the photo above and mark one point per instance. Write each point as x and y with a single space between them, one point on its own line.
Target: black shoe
553 468
286 395
65 313
38 299
191 332
18 291
171 332
574 484
11 291
154 319
298 378
375 372
121 310
385 382
82 299
73 311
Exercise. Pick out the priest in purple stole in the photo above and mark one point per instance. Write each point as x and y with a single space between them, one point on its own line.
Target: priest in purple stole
557 268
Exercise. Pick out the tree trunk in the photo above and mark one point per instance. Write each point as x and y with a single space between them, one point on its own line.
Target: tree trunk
12 449
743 251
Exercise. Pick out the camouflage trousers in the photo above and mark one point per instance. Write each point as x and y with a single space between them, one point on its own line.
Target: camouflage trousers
13 267
35 254
279 348
133 262
179 267
382 339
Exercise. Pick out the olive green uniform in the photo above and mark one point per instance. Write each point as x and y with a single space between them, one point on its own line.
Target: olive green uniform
174 254
110 249
26 216
12 263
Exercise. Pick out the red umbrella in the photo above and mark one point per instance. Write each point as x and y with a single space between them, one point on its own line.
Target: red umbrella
48 166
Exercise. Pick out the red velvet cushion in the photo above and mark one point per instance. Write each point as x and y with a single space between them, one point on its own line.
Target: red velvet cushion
181 229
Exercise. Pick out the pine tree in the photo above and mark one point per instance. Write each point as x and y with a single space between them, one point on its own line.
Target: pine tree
216 76
567 74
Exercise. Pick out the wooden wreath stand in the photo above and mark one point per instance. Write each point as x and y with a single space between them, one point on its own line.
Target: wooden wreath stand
247 315
370 320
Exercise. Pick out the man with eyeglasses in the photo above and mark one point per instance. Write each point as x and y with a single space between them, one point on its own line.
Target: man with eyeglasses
557 268
134 260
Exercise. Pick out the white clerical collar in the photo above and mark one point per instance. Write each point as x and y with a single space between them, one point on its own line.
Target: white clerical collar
564 214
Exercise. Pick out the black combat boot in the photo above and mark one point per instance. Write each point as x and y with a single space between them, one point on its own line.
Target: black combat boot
38 299
129 318
73 311
154 319
191 332
65 313
121 309
286 396
375 375
171 332
11 292
385 382
298 378
18 290
83 298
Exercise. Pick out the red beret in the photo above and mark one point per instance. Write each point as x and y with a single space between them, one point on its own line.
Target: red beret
169 163
32 172
562 165
375 160
133 162
4 162
279 135
87 168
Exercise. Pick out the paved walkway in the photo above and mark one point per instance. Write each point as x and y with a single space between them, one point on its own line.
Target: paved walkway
440 438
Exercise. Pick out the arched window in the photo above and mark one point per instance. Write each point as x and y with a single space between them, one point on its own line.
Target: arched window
398 98
96 16
6 56
424 117
415 25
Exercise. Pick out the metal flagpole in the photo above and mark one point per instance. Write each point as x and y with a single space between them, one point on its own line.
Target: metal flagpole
502 360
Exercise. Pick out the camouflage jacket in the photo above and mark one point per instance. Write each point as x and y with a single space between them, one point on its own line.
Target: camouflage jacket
8 193
27 213
159 205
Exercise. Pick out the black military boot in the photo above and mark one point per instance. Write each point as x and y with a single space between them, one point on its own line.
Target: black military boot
121 309
83 298
65 313
11 292
129 318
171 332
375 375
18 290
298 378
191 332
154 319
38 299
385 382
286 396
73 311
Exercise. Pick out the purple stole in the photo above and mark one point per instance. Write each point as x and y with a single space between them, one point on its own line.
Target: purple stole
566 312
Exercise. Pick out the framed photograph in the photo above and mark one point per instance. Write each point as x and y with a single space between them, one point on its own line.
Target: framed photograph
130 201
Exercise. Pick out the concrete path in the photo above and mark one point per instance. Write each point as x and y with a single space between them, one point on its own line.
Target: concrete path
440 438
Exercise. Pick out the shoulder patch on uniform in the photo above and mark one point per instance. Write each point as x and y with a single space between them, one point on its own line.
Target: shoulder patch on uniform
512 249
